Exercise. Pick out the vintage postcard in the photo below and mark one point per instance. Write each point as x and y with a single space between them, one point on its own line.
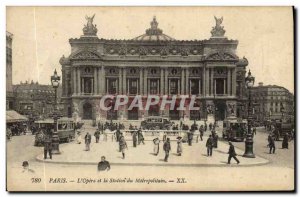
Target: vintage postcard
150 99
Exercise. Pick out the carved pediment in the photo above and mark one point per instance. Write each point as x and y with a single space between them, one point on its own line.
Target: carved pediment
85 55
221 56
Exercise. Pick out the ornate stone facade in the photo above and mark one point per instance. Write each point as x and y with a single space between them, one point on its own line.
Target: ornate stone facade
153 63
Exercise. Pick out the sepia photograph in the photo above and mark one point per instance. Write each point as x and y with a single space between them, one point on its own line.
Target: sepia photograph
150 99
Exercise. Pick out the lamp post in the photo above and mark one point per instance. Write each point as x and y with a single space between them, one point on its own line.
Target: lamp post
55 139
249 80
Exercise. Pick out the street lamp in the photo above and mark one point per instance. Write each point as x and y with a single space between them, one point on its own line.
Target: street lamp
249 80
55 139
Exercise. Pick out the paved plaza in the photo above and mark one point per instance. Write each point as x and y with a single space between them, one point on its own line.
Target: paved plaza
195 155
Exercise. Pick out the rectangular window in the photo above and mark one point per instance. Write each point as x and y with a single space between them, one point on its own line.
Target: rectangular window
111 86
195 86
133 86
154 86
174 86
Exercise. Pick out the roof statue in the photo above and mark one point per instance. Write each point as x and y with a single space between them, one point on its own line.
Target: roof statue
90 29
218 30
154 33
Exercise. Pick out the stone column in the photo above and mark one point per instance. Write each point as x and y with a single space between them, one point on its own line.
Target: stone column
145 81
74 80
187 88
102 81
124 81
78 81
228 81
212 81
234 82
166 82
162 81
207 81
182 87
95 81
141 82
120 81
203 82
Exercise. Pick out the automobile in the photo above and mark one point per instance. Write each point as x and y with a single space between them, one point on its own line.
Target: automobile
65 129
156 122
234 129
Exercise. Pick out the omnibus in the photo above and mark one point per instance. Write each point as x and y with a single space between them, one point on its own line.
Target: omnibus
234 129
156 123
65 129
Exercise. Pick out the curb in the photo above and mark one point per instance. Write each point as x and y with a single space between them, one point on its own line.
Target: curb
152 164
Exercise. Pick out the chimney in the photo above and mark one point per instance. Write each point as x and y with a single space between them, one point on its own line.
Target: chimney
260 84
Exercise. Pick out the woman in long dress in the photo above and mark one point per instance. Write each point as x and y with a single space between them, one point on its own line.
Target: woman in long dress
79 139
179 146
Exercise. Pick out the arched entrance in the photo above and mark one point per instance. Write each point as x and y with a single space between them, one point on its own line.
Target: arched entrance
112 114
220 110
174 113
195 114
87 111
133 114
153 110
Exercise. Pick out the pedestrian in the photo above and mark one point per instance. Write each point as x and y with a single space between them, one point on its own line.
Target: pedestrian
201 130
140 137
232 154
271 144
103 165
254 131
190 135
26 168
209 145
97 135
210 126
285 142
122 145
79 139
48 146
167 149
179 146
156 142
205 126
134 138
164 137
118 132
215 139
87 142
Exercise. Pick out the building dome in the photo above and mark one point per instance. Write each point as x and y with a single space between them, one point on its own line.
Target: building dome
154 33
242 62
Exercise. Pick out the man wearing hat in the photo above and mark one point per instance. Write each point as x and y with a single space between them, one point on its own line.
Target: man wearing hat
271 144
97 135
87 139
26 167
179 145
232 153
167 148
103 165
134 138
48 146
209 145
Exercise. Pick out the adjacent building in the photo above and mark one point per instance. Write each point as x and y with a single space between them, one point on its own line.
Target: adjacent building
33 99
272 102
9 86
154 63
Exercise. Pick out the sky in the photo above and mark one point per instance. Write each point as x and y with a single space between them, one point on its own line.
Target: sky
41 35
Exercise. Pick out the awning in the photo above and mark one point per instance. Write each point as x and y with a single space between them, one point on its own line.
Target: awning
13 116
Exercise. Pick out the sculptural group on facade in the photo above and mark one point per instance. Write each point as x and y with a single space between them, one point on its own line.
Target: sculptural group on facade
90 28
218 30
